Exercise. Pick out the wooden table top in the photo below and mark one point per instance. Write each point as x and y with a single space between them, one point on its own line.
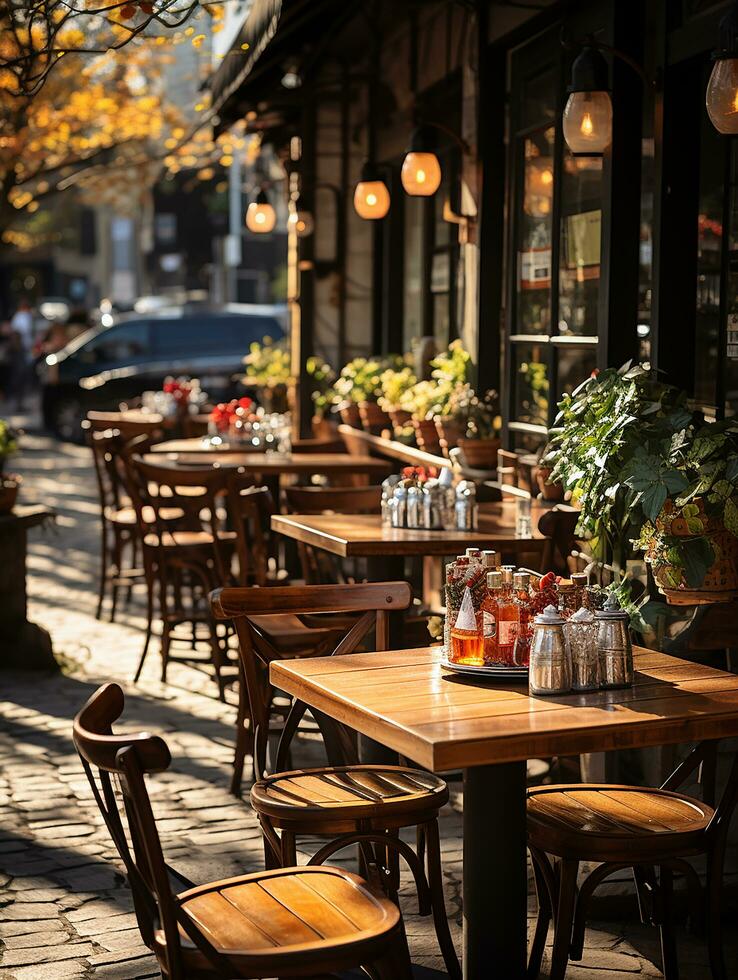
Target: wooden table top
363 535
408 701
195 451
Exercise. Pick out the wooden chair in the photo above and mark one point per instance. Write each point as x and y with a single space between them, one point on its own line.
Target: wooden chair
507 467
318 567
250 509
129 424
629 827
188 559
348 804
292 922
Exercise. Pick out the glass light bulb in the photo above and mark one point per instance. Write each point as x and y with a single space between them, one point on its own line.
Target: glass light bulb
587 122
721 98
260 218
421 174
302 221
371 199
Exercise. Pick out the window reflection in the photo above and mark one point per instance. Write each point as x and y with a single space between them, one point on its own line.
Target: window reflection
531 384
534 235
581 234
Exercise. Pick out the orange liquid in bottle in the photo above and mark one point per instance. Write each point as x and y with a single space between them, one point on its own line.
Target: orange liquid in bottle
467 648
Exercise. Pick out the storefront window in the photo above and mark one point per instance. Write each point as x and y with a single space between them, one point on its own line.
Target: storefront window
581 234
414 270
530 372
534 235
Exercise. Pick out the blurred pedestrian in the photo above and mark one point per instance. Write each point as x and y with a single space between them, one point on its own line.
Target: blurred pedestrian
21 347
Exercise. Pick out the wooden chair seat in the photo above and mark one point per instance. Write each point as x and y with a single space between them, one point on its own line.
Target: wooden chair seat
189 539
601 822
394 795
127 515
268 920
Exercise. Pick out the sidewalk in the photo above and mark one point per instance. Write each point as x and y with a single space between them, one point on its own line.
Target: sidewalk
65 911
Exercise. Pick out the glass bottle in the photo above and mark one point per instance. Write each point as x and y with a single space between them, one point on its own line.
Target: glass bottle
489 618
567 595
456 574
491 560
508 619
580 580
521 597
466 638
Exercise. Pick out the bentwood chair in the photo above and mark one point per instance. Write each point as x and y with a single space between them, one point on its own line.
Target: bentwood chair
622 827
129 424
290 922
186 560
345 802
318 567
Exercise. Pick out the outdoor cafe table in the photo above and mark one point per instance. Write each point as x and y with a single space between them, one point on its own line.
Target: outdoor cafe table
408 701
197 452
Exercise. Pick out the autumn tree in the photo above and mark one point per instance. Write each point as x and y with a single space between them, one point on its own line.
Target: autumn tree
76 112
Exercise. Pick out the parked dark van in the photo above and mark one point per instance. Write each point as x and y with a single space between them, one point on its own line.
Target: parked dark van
104 367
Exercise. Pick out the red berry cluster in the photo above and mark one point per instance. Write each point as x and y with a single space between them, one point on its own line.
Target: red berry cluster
543 593
226 412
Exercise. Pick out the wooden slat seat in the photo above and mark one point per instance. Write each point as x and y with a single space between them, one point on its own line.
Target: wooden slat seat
393 794
127 515
598 820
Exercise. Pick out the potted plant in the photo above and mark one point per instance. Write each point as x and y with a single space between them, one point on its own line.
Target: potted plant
359 383
395 382
10 482
651 475
268 368
478 424
324 397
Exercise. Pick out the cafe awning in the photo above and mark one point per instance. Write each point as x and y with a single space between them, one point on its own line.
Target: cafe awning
255 34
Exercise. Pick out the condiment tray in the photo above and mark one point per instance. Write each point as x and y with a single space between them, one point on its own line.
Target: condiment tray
493 675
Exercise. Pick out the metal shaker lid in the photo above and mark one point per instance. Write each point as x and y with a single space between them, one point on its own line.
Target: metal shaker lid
494 580
549 617
521 580
491 559
473 553
611 609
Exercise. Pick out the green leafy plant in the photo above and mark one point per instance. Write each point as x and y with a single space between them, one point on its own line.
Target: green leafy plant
323 377
361 379
478 415
9 438
268 364
396 382
647 472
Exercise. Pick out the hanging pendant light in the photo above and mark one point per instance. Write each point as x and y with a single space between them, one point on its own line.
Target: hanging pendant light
587 121
421 169
300 218
260 215
371 197
721 98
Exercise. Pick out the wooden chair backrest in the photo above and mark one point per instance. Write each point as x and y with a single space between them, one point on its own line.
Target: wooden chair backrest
129 424
194 491
250 509
702 760
507 467
372 601
336 500
106 446
116 767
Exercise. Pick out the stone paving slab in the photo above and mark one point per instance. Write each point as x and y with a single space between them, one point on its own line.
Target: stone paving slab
65 910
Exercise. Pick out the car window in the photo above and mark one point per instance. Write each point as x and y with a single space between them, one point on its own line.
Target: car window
215 335
121 344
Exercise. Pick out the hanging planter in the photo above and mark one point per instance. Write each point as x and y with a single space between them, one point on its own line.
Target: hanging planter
683 540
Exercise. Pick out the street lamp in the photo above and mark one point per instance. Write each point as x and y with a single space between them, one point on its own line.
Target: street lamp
371 197
721 98
421 169
260 215
587 121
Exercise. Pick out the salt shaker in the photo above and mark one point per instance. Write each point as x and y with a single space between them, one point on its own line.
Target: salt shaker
433 494
466 506
414 512
448 504
388 489
398 506
613 645
550 663
581 635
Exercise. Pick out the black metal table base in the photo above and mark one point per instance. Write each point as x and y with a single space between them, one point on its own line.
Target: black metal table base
495 872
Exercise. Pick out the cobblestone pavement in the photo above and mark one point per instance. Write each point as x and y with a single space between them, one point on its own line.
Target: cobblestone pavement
65 910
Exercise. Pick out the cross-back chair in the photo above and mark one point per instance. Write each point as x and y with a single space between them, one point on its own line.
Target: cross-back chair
290 922
346 802
130 424
250 509
189 558
624 827
318 567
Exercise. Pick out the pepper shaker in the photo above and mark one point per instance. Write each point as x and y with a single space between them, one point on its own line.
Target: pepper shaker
613 645
550 662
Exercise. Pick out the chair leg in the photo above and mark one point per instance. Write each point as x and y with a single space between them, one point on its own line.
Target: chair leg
544 916
714 910
117 562
289 849
669 962
103 570
149 623
244 738
395 964
564 917
440 918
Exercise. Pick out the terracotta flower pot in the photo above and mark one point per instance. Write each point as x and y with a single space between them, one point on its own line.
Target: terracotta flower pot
324 427
549 491
426 436
8 494
349 412
449 432
721 581
373 418
480 454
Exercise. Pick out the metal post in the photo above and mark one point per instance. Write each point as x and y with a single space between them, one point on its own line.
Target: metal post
232 254
495 872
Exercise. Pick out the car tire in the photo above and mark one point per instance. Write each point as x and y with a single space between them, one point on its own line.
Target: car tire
67 416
